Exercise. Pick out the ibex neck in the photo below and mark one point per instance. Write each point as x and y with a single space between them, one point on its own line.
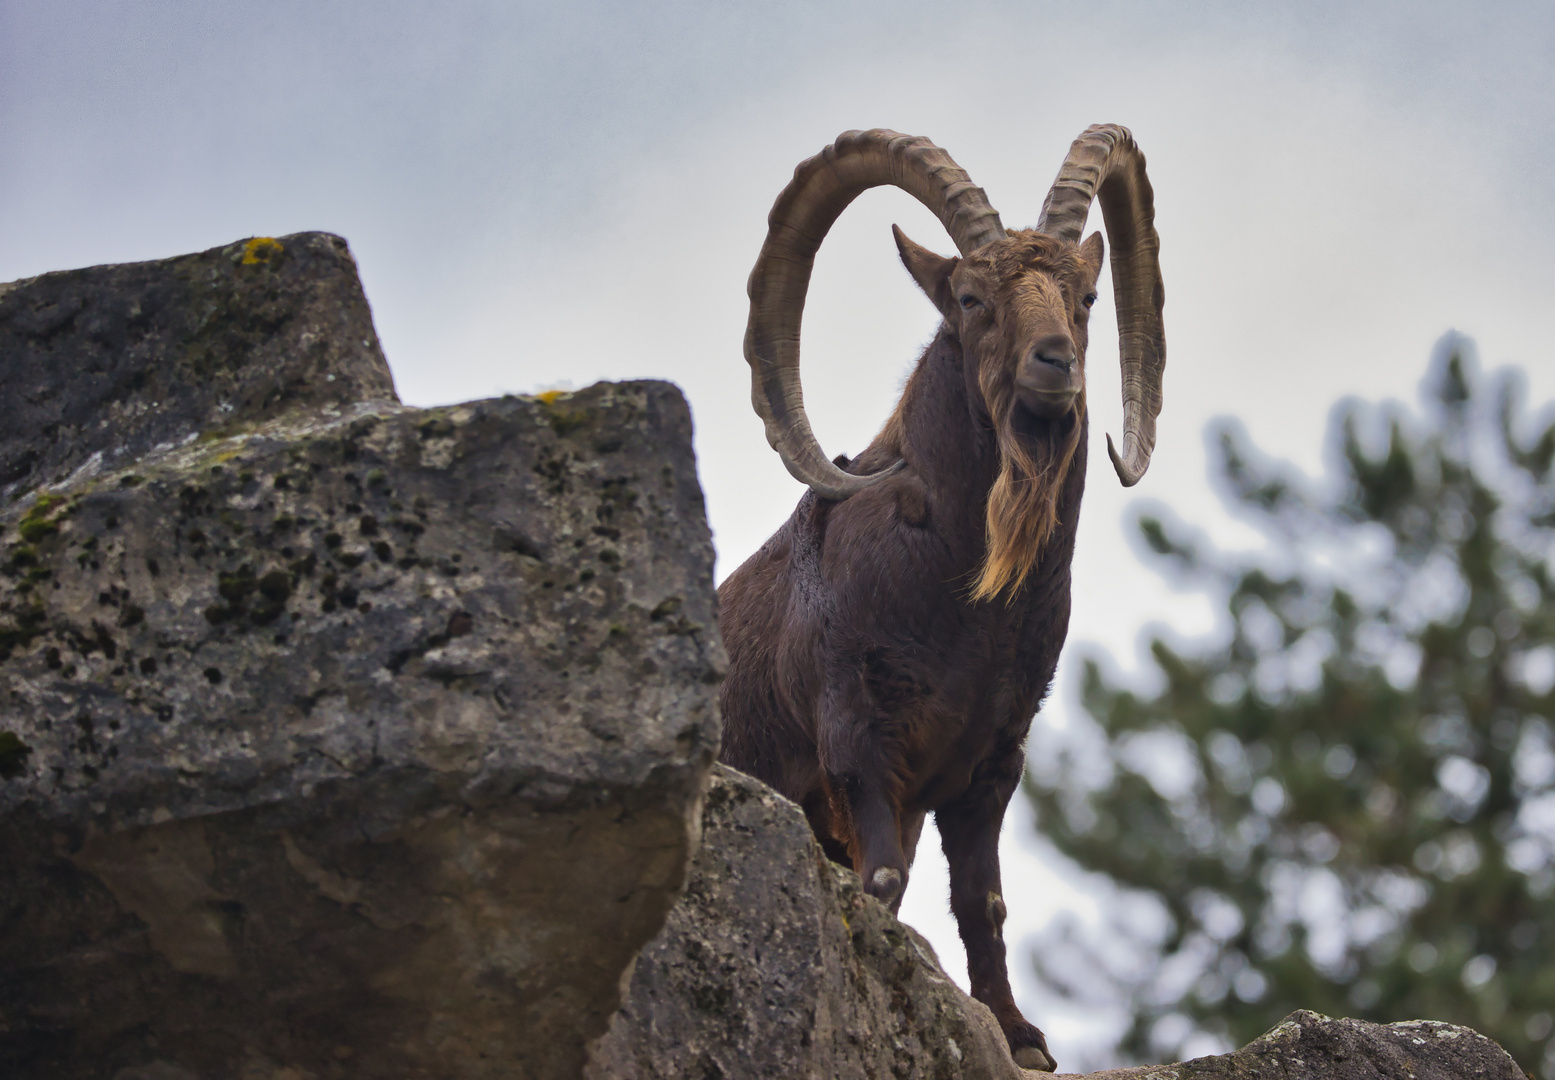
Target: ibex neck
949 442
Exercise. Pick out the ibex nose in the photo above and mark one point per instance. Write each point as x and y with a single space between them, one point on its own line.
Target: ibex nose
1049 378
1055 349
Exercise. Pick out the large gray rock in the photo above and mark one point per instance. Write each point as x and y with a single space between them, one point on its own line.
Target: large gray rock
97 366
344 739
340 739
775 964
1308 1046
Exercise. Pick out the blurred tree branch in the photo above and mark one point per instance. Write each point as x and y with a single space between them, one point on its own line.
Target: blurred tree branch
1349 806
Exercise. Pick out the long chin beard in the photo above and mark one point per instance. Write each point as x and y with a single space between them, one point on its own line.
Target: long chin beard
1036 433
1035 457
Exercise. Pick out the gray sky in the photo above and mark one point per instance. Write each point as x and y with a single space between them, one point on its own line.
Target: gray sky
550 194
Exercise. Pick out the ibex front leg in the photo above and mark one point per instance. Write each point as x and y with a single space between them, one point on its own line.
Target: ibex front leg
969 832
857 762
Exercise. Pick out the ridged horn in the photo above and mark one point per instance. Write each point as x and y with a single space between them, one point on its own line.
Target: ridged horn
821 189
1105 165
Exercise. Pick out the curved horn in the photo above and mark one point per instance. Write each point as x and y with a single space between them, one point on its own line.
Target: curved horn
1104 164
821 189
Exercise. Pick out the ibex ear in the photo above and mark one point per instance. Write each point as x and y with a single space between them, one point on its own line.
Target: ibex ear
1094 252
931 272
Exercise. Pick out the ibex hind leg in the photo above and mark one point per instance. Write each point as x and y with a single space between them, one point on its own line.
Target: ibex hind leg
969 833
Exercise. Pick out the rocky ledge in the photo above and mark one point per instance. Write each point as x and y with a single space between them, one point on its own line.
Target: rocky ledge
336 738
1308 1046
342 739
774 964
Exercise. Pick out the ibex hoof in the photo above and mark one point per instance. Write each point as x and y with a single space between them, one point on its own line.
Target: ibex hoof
1028 1047
885 885
1032 1057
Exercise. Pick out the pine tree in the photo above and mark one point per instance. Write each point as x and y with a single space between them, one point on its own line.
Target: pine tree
1349 806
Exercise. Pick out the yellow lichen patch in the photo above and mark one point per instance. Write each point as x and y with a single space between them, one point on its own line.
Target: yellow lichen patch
261 249
37 522
44 504
563 420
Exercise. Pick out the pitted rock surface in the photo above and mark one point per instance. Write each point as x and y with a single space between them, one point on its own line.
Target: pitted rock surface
1309 1046
347 739
775 964
98 366
341 739
323 596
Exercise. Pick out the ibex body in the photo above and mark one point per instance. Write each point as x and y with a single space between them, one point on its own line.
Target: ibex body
890 644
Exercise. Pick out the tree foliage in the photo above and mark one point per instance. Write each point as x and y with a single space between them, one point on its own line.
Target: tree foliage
1348 806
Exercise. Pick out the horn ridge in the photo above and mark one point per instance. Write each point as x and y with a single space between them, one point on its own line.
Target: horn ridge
803 213
1104 165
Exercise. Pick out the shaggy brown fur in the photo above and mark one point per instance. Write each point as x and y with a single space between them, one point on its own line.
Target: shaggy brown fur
887 652
1023 503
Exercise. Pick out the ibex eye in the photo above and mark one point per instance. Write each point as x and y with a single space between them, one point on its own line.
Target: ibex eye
1090 298
969 301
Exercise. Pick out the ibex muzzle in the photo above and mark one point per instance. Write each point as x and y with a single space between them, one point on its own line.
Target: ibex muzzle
1049 380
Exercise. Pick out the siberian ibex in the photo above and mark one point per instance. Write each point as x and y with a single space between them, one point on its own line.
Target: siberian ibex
889 645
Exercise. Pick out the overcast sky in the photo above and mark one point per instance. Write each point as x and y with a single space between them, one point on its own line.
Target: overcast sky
543 195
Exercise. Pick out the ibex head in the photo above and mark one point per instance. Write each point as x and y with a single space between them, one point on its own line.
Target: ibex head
1018 303
1019 308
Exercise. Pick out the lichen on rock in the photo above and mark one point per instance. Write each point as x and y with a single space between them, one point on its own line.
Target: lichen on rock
336 737
776 964
345 739
1309 1046
103 364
